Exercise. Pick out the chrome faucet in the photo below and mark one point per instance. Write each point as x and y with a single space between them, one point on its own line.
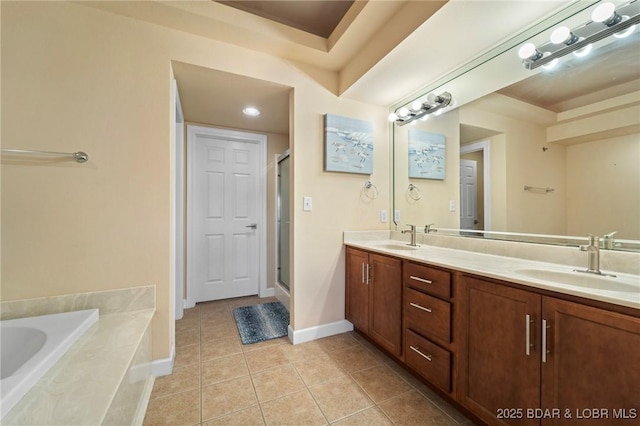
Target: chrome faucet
427 228
412 229
593 259
593 254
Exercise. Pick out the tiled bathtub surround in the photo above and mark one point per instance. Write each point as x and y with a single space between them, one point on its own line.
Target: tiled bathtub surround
105 378
610 260
108 302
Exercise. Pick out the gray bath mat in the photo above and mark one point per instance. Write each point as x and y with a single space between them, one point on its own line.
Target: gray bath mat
257 323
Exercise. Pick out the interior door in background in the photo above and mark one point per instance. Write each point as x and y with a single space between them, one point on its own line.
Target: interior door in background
225 216
468 194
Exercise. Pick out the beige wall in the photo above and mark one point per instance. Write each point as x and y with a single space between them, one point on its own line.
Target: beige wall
603 183
75 78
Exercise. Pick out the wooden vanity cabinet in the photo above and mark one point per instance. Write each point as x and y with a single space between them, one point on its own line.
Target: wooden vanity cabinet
593 363
496 372
523 351
374 297
428 323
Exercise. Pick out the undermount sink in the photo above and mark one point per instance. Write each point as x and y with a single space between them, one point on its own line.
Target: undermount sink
586 280
398 246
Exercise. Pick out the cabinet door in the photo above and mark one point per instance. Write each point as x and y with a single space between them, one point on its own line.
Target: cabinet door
500 364
385 293
357 289
592 363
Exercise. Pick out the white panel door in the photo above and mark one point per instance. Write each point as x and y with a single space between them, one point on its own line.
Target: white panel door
468 194
224 212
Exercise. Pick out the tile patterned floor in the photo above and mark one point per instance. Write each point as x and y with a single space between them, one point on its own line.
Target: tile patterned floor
340 380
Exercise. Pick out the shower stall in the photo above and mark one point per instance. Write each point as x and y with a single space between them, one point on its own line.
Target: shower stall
283 283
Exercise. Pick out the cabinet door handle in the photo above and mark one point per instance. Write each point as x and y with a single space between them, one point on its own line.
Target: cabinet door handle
544 340
420 307
422 280
417 350
363 280
528 322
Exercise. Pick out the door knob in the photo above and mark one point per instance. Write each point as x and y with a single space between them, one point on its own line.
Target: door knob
252 226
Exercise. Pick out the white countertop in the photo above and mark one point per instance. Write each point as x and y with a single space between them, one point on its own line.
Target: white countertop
506 268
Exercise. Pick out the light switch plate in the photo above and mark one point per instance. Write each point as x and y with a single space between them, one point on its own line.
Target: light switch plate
396 216
307 204
452 205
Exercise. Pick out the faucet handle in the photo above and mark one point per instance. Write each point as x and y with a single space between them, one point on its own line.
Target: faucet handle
609 241
411 228
427 228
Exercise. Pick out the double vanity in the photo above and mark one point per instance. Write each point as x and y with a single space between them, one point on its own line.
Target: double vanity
507 337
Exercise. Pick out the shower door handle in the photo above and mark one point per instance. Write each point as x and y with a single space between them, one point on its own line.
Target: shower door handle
252 226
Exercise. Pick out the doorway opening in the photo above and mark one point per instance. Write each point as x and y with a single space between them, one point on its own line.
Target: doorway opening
226 214
475 154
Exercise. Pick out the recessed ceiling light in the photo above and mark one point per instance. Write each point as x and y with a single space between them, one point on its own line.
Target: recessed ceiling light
251 111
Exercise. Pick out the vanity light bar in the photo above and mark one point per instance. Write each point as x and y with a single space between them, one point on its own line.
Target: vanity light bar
587 34
433 104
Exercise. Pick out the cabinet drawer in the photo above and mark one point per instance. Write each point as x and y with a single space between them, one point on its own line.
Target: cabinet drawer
427 315
431 280
429 360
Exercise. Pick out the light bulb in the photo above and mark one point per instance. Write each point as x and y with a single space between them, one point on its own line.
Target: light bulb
527 51
431 98
560 35
251 111
603 12
393 117
403 112
416 105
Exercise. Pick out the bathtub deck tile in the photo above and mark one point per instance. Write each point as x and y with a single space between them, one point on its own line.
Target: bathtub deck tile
68 393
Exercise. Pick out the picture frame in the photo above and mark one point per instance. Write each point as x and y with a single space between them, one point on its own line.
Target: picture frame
348 145
426 154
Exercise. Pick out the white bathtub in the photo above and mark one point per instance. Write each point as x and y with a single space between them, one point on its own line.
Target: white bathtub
29 347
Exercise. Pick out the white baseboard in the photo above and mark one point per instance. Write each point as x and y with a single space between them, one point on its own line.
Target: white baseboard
268 292
318 332
163 367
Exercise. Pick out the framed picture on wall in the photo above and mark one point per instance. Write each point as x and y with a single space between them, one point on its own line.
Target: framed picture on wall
348 145
426 155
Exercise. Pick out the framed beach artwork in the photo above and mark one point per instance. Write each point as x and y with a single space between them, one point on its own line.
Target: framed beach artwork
348 145
426 155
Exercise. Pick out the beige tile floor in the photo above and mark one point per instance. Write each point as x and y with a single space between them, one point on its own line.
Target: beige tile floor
340 379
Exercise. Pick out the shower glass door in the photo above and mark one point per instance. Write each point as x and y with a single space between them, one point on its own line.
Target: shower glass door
283 220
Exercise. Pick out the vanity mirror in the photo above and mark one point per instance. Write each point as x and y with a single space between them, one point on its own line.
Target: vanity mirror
555 151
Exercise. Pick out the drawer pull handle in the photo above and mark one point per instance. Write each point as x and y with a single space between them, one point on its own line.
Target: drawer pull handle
420 307
417 350
527 334
545 351
422 280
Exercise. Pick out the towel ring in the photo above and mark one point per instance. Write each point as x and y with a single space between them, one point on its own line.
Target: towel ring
370 190
414 195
